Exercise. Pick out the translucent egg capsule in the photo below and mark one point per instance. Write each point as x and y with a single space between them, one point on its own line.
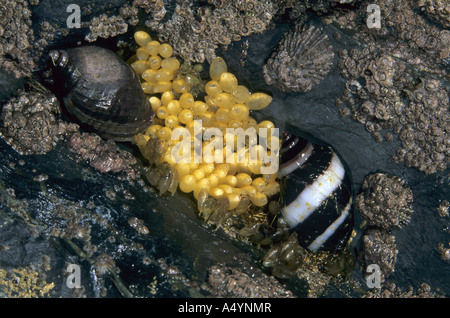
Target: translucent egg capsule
167 97
155 102
243 180
185 116
140 66
148 88
217 193
142 38
165 50
239 112
212 88
173 107
154 62
152 47
199 108
164 133
223 115
179 86
217 67
149 75
152 130
203 184
170 64
142 54
187 183
258 101
186 100
228 82
224 100
240 94
259 199
163 75
171 121
233 200
161 87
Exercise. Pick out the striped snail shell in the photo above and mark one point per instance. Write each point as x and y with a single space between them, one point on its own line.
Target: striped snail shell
101 91
317 194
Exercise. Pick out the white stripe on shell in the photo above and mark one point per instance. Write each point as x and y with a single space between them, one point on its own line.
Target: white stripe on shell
322 238
296 162
315 194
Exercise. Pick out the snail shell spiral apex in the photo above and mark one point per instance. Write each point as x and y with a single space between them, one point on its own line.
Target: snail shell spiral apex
101 91
317 196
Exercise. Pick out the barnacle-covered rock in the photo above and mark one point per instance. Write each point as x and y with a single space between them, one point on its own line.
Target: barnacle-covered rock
379 247
101 91
385 200
244 281
196 33
303 58
438 10
16 38
30 122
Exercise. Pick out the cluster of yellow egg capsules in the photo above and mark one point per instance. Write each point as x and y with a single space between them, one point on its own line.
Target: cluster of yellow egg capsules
226 105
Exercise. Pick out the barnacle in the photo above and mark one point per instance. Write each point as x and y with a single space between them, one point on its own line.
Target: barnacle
216 169
303 58
385 201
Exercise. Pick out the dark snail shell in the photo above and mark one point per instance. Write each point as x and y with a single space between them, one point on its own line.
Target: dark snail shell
101 91
317 196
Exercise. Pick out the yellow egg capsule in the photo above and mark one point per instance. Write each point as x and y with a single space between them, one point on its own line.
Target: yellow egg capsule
185 116
161 87
187 183
140 66
217 67
223 115
226 188
186 100
142 54
272 188
233 200
167 97
164 133
224 100
183 169
170 64
250 191
213 180
152 130
163 75
212 88
259 184
258 101
173 107
239 112
152 47
199 108
202 184
171 121
155 102
240 94
179 86
148 88
228 82
154 62
208 168
260 199
142 38
149 75
231 180
165 50
162 112
243 180
198 174
217 193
